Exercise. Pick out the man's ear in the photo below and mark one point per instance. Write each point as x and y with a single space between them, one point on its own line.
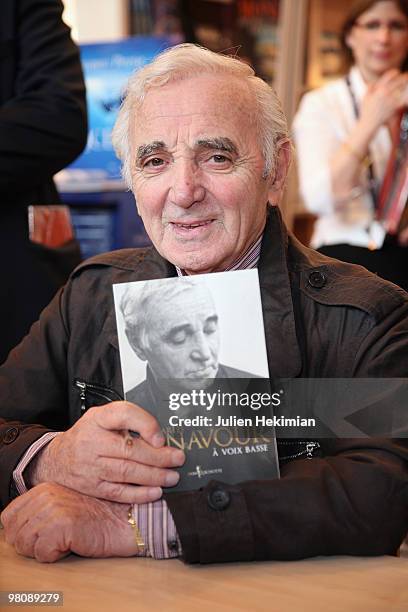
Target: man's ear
278 178
136 206
136 345
132 180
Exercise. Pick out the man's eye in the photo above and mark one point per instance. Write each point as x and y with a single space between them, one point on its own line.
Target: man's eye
177 337
210 327
155 162
219 159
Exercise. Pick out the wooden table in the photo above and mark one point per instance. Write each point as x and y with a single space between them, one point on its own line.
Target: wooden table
337 584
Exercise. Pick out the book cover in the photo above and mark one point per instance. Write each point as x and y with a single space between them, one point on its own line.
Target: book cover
193 354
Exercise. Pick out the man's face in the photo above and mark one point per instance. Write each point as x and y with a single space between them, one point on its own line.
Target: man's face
197 172
183 338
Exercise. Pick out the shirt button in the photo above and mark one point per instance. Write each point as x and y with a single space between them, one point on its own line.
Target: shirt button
219 499
317 279
10 435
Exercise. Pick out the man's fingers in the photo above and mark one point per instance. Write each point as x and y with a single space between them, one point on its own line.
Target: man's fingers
14 516
37 540
56 520
11 513
125 471
22 548
24 541
136 449
51 544
124 415
128 494
46 551
6 517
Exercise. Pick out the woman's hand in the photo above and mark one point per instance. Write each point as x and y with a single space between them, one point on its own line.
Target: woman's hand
379 107
383 99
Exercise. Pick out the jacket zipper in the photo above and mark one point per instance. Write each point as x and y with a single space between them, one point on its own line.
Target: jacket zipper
101 391
309 449
110 395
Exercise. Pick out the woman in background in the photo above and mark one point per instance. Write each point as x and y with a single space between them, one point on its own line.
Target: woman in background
344 133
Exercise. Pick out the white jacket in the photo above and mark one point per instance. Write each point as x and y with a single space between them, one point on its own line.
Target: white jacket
324 120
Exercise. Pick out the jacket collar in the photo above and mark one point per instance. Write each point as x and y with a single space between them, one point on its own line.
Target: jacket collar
284 356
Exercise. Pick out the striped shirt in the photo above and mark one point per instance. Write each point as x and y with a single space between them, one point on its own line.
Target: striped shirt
246 261
154 519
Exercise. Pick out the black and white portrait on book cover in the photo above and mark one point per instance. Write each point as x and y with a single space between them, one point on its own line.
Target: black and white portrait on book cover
191 328
193 354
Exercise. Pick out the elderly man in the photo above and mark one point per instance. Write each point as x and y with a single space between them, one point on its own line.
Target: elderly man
174 327
205 148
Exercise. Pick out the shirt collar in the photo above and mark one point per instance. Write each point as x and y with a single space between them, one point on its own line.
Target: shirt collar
245 262
358 84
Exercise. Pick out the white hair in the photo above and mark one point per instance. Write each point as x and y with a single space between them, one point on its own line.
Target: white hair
140 299
186 61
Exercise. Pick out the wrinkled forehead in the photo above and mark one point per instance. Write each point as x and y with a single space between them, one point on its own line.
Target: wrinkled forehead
218 102
192 306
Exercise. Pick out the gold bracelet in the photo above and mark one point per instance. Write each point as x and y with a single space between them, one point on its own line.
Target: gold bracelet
138 535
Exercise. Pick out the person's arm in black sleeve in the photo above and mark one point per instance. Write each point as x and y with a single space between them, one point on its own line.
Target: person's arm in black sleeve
353 500
43 126
33 391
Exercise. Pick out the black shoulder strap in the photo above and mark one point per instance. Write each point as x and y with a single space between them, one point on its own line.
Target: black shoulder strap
370 166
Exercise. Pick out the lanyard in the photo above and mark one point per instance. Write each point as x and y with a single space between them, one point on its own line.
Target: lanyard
370 167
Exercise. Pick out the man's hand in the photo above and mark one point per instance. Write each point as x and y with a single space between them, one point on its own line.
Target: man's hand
50 521
97 456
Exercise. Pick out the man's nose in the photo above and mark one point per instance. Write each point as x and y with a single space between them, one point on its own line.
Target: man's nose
186 188
201 349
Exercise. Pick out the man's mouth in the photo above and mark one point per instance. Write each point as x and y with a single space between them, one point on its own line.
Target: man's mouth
206 372
190 226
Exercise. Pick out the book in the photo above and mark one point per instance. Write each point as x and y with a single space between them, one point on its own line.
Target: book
193 354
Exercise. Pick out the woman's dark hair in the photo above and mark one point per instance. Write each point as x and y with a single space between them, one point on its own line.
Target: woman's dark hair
358 8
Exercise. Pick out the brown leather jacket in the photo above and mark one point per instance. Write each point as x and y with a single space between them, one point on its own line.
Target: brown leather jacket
322 319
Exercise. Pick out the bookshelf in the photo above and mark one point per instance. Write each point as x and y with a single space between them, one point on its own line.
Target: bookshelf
324 61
